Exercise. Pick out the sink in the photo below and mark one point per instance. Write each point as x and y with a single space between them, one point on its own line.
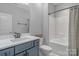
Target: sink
22 38
18 39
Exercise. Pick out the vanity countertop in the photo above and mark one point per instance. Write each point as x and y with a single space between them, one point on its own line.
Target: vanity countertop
6 43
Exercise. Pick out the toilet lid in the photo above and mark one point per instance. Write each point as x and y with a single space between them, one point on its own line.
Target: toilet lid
45 47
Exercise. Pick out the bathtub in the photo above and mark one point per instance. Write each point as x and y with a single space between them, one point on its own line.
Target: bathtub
59 46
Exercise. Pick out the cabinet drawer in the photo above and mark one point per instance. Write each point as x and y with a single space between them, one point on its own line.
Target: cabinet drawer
7 52
23 47
21 54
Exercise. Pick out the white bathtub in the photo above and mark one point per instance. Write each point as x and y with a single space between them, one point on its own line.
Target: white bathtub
59 46
60 41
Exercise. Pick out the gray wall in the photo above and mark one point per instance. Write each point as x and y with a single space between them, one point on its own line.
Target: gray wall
45 23
39 20
36 18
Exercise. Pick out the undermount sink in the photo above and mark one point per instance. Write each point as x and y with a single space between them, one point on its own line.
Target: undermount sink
18 39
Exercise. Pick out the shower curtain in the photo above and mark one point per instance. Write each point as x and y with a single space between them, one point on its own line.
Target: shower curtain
73 31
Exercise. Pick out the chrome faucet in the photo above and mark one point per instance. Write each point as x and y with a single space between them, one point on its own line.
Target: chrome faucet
16 34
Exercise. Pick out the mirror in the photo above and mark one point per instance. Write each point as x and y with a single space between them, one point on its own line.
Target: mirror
14 17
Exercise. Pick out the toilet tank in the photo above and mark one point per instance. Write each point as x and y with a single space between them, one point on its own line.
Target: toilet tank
41 39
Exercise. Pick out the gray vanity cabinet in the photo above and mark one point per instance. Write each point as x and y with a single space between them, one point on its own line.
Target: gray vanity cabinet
28 49
25 49
7 52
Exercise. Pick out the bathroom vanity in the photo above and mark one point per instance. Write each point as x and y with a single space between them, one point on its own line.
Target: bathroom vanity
16 23
19 47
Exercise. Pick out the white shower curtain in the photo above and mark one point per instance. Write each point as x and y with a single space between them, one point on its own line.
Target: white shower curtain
73 31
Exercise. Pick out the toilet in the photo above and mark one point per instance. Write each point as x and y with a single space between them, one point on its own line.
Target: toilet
44 49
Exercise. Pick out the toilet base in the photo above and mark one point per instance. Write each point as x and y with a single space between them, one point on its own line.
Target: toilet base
45 50
43 53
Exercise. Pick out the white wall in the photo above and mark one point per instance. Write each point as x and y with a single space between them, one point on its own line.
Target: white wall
36 18
58 24
62 23
18 15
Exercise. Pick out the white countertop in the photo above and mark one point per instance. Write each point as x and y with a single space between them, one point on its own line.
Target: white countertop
5 43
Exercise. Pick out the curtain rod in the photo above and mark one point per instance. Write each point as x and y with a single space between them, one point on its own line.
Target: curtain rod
61 10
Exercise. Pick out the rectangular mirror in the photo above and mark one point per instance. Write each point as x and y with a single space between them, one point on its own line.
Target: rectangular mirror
14 17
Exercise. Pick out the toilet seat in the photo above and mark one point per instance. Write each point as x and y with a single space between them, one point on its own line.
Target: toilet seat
45 47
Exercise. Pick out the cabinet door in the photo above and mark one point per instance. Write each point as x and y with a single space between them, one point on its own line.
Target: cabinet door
7 52
22 47
33 51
